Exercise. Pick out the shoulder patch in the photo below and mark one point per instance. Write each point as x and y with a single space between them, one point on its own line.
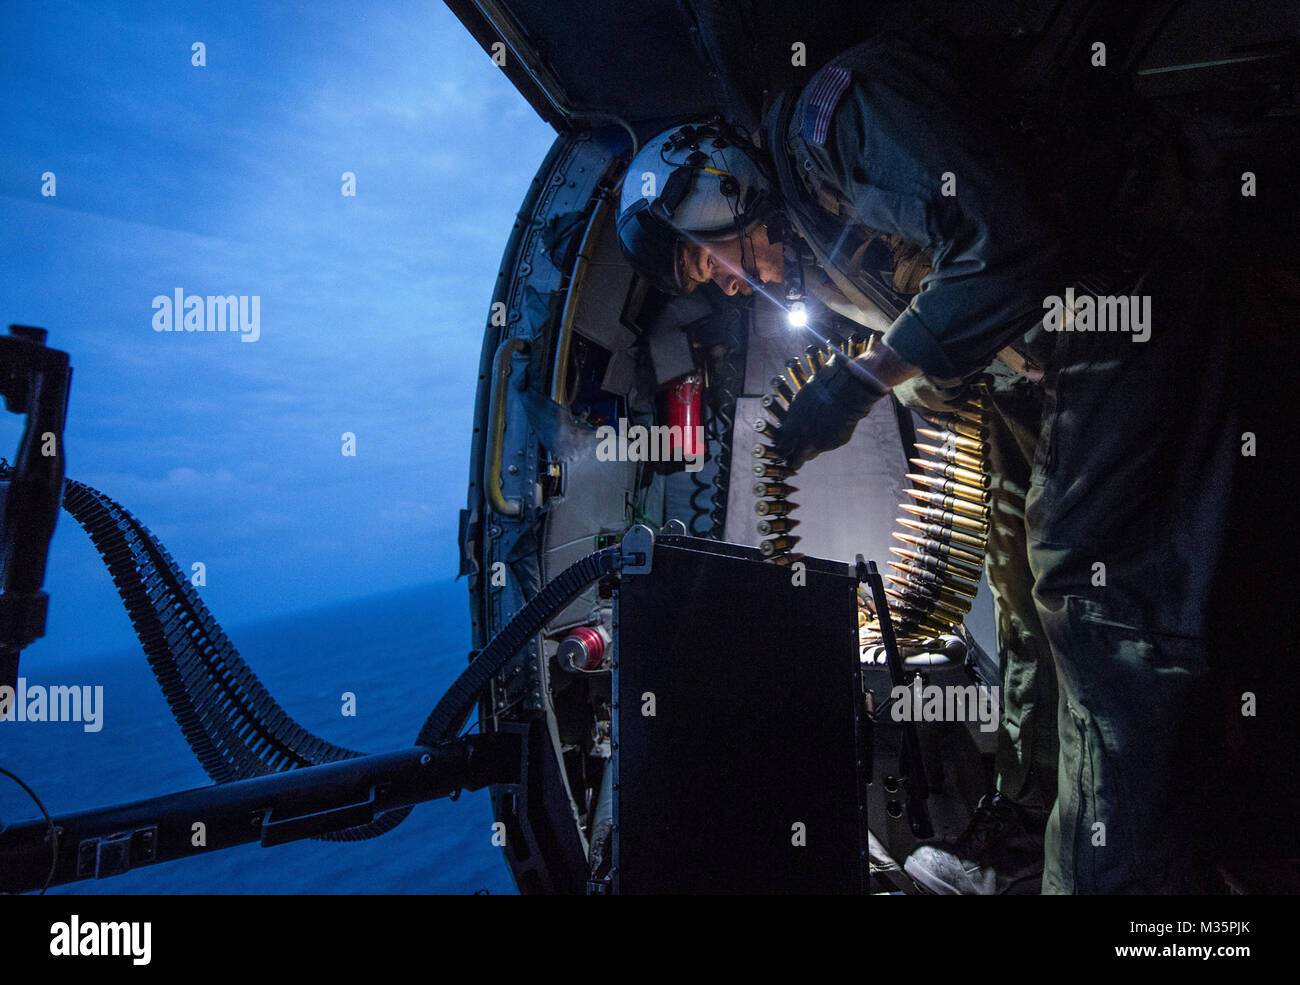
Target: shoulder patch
827 90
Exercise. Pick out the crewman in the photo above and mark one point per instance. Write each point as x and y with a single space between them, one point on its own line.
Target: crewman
1109 510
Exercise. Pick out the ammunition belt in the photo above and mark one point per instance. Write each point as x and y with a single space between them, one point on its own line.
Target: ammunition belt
944 531
232 723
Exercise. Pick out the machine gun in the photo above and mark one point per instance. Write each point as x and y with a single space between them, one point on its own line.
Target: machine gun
34 380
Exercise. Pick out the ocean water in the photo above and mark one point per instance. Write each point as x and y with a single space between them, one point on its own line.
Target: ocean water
396 652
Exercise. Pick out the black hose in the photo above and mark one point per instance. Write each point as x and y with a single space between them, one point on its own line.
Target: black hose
454 706
701 524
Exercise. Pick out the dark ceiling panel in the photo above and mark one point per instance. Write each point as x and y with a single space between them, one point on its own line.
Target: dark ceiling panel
651 61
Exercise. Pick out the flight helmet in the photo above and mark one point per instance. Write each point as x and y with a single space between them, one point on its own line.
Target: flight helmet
700 181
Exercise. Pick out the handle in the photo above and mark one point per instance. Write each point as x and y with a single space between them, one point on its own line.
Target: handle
497 429
317 823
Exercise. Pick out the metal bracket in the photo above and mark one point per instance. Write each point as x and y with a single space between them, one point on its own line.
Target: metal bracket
117 853
638 550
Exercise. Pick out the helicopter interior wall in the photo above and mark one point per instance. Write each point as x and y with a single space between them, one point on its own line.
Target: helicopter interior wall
593 499
626 349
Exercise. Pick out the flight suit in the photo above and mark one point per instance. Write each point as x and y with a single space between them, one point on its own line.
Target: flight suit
1026 758
1124 485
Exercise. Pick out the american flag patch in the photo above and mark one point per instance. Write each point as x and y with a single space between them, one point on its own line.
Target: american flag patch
826 93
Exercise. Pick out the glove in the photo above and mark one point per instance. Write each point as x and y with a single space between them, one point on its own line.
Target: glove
825 412
940 396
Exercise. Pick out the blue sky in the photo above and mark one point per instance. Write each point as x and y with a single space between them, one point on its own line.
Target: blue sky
225 179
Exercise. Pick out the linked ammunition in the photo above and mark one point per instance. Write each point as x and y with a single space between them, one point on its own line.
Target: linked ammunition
816 358
942 550
954 503
971 415
952 455
908 618
773 507
945 588
782 388
777 545
763 426
950 580
957 594
910 626
924 577
936 614
947 573
857 345
797 373
916 593
968 524
930 622
774 405
949 566
779 525
949 488
939 565
965 430
904 614
949 597
942 608
772 471
766 452
947 611
962 475
900 606
775 490
969 445
944 534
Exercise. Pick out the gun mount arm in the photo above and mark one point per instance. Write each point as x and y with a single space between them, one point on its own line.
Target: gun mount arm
272 810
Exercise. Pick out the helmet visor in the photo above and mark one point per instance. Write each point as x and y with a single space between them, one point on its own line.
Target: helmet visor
652 247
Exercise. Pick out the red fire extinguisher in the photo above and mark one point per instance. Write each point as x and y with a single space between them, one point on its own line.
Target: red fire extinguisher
682 410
